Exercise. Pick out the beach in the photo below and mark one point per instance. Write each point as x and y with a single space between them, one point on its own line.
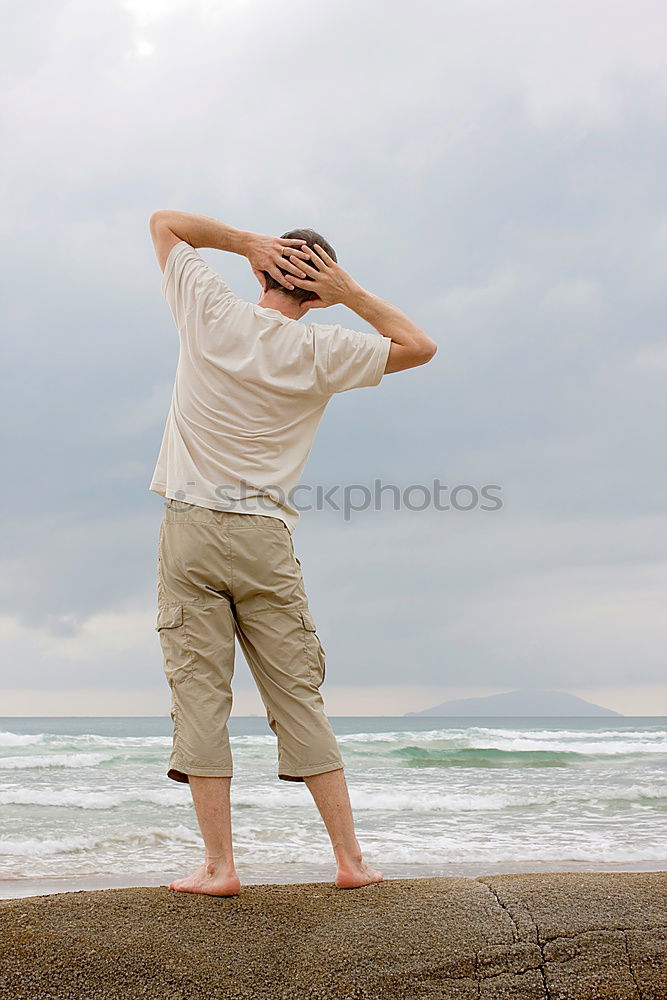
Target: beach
571 936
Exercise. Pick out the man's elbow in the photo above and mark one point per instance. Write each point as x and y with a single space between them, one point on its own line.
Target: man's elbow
403 356
425 351
157 219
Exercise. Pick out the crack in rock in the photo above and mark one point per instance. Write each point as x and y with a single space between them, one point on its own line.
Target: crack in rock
627 952
515 929
537 940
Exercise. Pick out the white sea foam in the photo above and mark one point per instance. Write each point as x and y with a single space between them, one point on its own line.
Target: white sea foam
112 742
641 734
603 742
433 801
390 736
160 848
255 740
599 743
149 837
521 797
377 797
428 801
89 798
475 737
20 739
505 850
66 741
75 760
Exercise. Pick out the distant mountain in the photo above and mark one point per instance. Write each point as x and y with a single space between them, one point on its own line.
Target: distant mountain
520 703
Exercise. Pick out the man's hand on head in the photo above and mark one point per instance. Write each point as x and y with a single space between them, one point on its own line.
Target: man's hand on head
271 253
327 279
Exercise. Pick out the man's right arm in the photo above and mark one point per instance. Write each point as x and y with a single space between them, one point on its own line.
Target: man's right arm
410 346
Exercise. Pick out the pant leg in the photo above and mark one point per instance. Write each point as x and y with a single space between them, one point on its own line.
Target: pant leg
195 623
279 640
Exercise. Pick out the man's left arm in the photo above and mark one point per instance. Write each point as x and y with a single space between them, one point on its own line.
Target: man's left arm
264 253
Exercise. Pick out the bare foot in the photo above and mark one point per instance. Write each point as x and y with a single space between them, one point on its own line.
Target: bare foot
211 881
352 875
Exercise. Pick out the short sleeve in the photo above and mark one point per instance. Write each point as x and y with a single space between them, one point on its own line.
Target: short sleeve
194 292
352 359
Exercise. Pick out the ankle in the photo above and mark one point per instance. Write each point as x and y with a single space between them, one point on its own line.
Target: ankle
350 857
218 863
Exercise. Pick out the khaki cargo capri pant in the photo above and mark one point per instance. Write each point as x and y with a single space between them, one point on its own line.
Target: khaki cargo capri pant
223 575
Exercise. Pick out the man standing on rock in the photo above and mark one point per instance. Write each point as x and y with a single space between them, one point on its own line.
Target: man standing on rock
252 383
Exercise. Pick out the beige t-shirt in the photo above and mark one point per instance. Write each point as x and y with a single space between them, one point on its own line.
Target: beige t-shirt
251 387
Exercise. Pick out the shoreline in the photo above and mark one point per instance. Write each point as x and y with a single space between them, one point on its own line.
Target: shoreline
27 887
533 936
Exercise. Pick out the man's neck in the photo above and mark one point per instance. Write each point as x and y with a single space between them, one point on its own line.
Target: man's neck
285 304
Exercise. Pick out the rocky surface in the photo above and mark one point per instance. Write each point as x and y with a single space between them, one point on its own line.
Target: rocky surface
555 936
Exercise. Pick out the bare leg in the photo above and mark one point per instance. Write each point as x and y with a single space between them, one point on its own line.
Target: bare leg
217 876
333 801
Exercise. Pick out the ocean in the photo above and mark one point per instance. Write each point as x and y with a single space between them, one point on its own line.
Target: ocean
86 801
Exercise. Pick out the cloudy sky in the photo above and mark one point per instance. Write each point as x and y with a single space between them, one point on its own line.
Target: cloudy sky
497 170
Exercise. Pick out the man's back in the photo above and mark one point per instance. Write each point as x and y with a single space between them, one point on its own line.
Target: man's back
251 387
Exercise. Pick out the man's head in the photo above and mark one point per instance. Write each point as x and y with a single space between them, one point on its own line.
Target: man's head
297 295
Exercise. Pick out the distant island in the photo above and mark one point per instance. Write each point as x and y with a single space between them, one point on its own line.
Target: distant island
520 703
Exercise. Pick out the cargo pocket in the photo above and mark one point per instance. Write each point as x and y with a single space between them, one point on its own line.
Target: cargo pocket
169 616
314 649
170 626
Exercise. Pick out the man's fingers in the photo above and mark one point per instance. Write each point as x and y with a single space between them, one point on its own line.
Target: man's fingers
302 282
324 255
289 265
292 244
297 253
308 268
276 273
318 262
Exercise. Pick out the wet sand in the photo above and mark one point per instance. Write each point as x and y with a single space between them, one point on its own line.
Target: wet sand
574 936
